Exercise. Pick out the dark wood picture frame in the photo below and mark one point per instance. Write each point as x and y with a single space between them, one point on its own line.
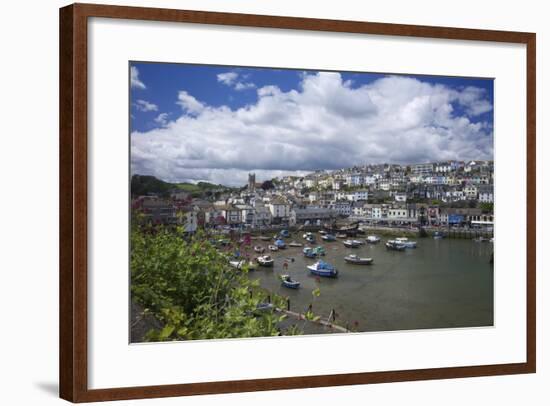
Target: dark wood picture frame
73 201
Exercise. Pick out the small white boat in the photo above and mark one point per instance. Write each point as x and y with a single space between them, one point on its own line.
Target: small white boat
405 241
273 248
265 260
242 263
295 244
352 243
259 249
373 239
481 239
356 260
395 245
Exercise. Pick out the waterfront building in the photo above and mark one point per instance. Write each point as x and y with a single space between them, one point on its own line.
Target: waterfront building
280 210
311 214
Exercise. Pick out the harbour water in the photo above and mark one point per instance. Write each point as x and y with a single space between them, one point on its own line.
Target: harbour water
440 284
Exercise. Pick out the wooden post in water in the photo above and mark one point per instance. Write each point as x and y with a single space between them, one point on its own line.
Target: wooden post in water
288 303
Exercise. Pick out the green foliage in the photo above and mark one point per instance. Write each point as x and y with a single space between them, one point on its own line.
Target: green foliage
486 207
143 185
188 286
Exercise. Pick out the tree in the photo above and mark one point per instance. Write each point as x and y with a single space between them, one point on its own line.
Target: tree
267 185
486 207
189 288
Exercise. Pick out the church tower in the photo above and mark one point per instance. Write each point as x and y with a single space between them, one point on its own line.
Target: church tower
251 182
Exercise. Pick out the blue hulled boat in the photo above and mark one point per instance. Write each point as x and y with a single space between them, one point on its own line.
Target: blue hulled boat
280 244
288 282
322 268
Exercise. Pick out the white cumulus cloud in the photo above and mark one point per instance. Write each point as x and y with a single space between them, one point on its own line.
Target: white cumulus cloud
135 82
145 106
234 80
188 103
324 124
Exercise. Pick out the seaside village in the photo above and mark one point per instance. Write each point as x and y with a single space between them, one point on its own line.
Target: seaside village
450 194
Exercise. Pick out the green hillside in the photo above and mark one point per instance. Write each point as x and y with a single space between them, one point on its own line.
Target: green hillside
144 184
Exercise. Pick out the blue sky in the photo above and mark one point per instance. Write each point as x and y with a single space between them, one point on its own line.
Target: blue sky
213 123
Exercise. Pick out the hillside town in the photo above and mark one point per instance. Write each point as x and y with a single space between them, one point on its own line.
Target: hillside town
438 194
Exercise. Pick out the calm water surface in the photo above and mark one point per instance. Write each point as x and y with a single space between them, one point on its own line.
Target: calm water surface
440 284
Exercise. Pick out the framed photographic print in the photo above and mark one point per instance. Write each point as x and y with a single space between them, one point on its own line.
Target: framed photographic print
256 202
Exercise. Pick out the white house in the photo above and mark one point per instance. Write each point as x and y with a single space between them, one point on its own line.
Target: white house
357 195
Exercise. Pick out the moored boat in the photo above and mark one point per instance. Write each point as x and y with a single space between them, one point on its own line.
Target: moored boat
481 239
265 260
288 282
284 234
405 241
319 250
273 248
352 243
373 239
438 235
322 268
280 244
295 244
242 263
356 260
309 252
329 237
395 245
265 238
259 249
341 235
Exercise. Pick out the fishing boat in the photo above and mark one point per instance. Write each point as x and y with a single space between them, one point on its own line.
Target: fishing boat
273 248
240 264
341 235
352 243
349 229
481 239
309 253
405 241
295 244
356 260
319 250
288 282
322 268
284 234
395 245
438 235
310 239
308 234
259 249
265 260
373 239
280 244
329 237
